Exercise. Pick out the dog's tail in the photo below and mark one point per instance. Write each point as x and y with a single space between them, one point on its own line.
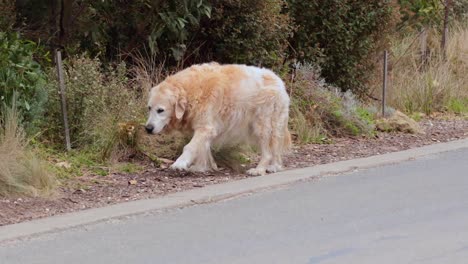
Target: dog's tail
287 141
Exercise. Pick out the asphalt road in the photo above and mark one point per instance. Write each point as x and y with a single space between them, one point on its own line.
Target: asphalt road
412 212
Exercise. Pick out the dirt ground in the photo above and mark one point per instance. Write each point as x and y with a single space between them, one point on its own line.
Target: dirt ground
97 191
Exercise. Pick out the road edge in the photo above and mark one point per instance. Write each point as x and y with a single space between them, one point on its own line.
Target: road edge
216 192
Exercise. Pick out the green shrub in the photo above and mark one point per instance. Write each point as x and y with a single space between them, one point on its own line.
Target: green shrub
245 31
109 28
20 74
341 36
421 13
97 99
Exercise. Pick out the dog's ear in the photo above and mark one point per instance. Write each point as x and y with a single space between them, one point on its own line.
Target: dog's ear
180 107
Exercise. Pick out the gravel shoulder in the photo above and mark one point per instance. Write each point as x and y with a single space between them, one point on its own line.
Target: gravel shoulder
99 191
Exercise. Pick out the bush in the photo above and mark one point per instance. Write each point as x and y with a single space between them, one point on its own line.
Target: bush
319 110
21 172
20 74
245 31
97 99
341 36
110 27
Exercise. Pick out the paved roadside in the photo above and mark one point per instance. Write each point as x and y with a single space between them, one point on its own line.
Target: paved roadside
411 212
217 192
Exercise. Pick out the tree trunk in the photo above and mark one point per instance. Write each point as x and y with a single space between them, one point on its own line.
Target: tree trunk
65 19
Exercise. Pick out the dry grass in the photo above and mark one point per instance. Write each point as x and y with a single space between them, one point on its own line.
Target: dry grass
439 85
306 130
146 73
21 172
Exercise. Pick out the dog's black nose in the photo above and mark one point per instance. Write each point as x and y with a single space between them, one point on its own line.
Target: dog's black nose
149 128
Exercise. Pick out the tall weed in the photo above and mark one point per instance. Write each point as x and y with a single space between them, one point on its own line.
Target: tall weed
21 171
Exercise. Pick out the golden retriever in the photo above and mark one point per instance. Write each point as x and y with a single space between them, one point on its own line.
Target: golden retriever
223 104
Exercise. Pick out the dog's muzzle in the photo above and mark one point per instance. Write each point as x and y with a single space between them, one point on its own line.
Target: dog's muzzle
149 128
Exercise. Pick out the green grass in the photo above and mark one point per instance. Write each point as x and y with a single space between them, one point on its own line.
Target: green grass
127 167
458 106
416 116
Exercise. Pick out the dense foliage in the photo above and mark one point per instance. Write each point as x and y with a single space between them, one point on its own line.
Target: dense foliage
246 31
339 36
22 76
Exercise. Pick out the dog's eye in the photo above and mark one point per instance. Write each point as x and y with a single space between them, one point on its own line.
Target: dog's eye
160 110
149 108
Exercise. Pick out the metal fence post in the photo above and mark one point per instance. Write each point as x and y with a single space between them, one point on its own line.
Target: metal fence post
384 87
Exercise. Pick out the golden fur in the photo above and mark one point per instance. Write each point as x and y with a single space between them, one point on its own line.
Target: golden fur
223 104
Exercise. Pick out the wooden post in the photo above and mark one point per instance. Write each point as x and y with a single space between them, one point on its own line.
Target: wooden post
384 86
58 57
443 43
423 46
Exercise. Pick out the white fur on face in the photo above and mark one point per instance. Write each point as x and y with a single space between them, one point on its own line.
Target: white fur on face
159 113
157 120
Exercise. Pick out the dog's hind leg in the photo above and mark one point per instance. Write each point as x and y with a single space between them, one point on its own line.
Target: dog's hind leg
279 132
263 132
198 151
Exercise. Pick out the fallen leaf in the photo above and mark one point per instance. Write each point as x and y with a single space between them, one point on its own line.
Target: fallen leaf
166 161
132 182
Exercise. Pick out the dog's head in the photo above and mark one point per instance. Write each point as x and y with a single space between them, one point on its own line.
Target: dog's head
165 105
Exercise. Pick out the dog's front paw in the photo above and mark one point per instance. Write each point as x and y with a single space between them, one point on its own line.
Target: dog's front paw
179 165
274 168
257 171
